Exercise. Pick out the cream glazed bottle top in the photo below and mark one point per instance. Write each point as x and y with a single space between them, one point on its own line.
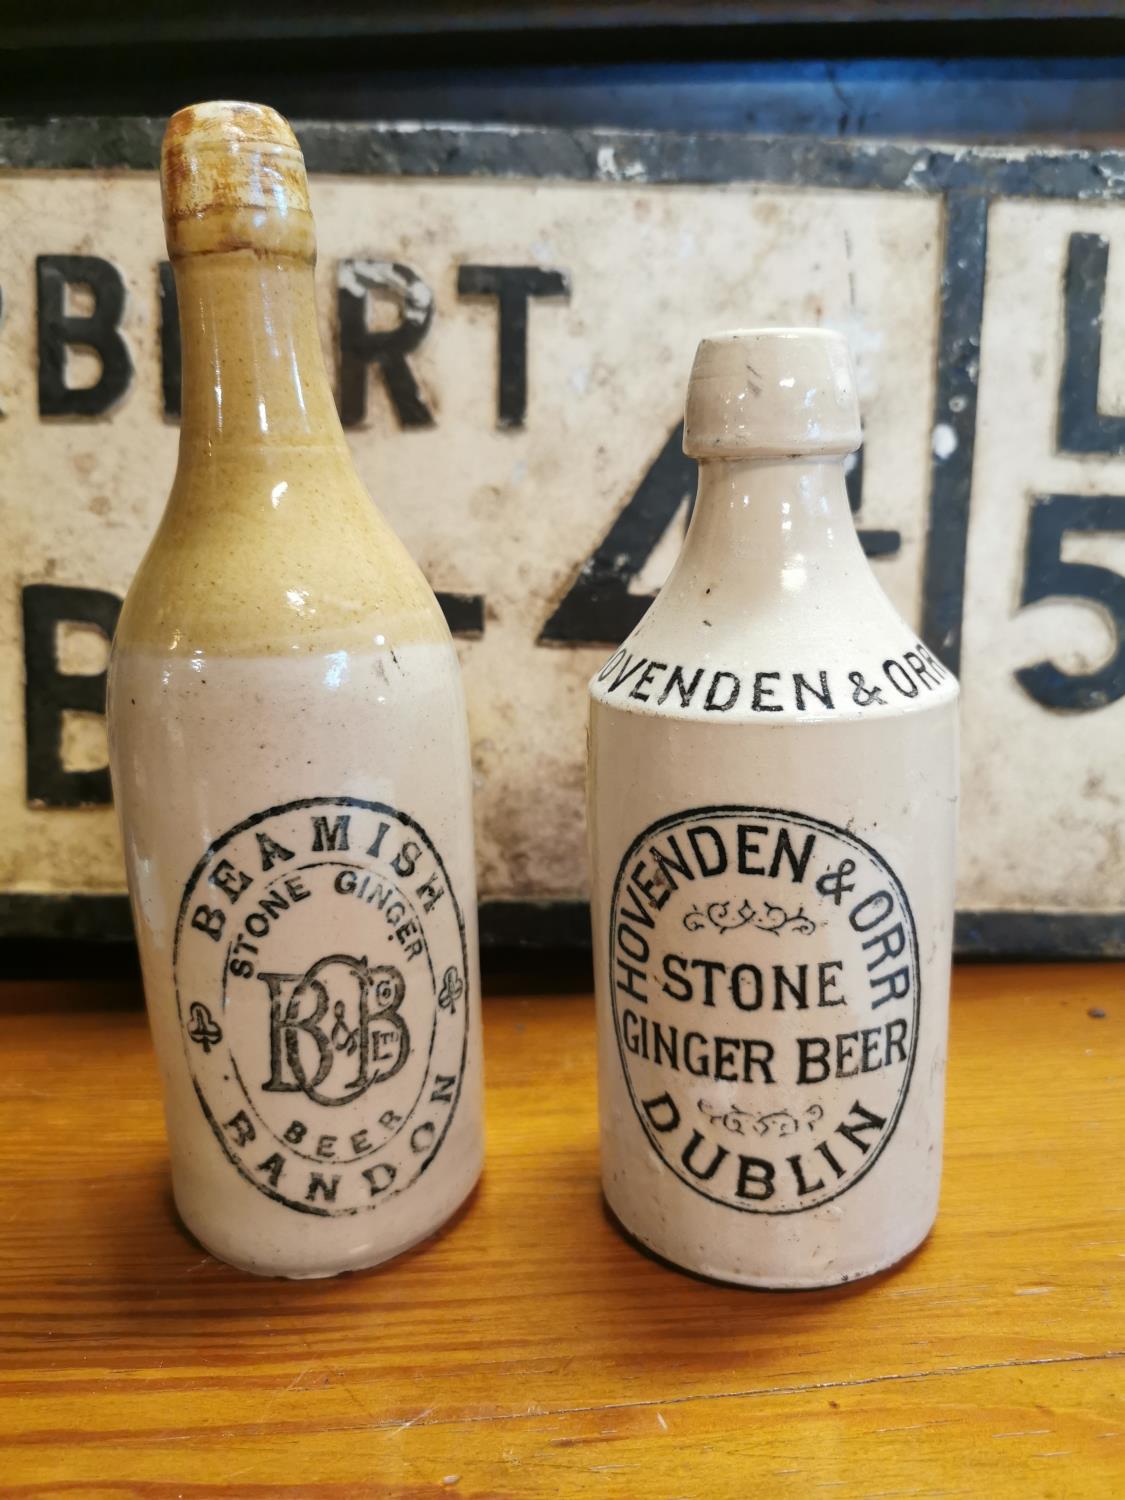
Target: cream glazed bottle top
290 763
773 781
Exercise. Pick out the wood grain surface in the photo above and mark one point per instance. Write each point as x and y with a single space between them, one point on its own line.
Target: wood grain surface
529 1350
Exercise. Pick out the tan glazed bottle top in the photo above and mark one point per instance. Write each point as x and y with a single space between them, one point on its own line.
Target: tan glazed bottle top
233 178
269 542
772 393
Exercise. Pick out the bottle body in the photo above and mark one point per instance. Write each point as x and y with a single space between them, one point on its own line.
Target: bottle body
744 1047
772 794
314 1005
290 762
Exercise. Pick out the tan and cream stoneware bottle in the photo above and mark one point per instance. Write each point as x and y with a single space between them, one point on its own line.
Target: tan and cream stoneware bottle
291 768
773 784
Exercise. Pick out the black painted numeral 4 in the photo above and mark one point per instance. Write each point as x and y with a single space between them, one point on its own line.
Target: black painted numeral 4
599 608
1047 576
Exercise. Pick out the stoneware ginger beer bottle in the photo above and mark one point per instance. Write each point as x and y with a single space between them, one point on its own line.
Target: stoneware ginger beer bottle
772 797
291 768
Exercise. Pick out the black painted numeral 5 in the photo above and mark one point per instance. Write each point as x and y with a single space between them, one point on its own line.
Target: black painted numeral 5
1047 576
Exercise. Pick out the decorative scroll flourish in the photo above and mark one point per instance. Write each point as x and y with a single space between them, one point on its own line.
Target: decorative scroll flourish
769 918
770 1122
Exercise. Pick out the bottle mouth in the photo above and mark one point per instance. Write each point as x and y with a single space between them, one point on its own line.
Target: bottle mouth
233 178
772 393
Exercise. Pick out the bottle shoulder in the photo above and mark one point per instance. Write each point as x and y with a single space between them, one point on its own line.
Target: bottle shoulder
285 555
371 711
776 660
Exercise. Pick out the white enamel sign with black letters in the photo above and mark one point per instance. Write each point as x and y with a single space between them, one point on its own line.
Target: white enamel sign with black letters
510 316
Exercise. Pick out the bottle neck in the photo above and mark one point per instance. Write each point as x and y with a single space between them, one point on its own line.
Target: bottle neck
253 368
772 526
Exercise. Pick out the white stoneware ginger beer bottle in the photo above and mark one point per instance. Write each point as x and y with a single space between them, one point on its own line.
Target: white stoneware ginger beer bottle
291 768
773 782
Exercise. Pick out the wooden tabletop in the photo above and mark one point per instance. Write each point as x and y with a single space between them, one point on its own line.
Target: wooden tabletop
529 1350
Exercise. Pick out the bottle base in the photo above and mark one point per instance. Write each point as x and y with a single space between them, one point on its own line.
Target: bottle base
823 1279
310 1267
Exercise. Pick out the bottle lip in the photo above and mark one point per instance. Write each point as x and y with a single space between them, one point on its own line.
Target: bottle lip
772 393
780 331
233 178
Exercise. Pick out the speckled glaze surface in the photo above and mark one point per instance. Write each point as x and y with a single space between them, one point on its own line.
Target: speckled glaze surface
291 769
772 797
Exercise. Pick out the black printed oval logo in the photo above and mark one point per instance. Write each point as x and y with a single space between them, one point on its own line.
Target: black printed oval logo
321 979
765 992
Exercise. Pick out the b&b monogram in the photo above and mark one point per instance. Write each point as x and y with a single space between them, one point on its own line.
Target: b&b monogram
336 1029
